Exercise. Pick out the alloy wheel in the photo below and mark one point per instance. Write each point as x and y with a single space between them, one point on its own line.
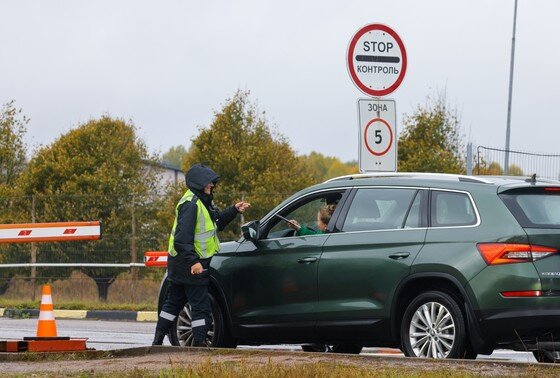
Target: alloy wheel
432 331
184 328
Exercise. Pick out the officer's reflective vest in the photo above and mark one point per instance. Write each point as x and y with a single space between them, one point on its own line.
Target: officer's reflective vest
206 242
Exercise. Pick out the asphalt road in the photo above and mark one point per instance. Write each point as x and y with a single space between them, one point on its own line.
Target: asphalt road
106 335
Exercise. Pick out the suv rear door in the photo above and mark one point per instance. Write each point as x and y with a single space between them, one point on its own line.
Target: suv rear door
377 237
537 209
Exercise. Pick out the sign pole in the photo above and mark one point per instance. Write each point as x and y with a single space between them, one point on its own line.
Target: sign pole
377 62
508 127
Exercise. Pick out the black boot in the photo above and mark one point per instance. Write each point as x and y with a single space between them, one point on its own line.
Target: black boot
200 344
158 337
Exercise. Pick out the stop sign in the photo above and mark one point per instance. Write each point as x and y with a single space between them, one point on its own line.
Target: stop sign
376 60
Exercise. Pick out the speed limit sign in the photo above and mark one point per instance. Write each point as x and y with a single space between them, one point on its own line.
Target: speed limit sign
378 145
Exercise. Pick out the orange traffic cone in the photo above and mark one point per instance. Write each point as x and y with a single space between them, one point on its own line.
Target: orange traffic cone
46 327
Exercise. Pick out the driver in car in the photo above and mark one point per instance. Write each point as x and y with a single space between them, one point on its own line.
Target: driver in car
323 217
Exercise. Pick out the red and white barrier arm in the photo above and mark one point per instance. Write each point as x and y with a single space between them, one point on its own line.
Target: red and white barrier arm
49 232
155 258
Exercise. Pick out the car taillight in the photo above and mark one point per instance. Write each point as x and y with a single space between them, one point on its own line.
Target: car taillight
508 253
523 293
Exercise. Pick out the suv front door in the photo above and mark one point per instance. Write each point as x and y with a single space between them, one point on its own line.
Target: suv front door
274 285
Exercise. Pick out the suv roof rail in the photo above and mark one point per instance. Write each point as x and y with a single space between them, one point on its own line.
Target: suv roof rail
523 178
445 176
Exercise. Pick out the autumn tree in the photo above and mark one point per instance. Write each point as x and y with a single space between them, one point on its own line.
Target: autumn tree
12 147
95 172
326 167
431 140
12 163
515 170
175 155
254 162
495 169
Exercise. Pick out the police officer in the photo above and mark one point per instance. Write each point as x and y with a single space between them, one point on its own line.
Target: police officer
192 244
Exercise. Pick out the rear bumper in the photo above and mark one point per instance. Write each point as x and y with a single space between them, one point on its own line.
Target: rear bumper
527 328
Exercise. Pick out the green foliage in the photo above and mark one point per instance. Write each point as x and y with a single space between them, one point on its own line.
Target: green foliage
175 155
99 157
495 169
96 171
12 163
76 305
12 147
326 167
253 161
515 170
430 141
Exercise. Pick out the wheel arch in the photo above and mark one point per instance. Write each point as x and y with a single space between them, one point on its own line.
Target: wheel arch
162 293
220 297
415 284
214 289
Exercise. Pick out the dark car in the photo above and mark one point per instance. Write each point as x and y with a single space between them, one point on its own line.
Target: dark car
440 266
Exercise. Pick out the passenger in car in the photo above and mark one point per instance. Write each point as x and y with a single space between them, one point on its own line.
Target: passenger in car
323 217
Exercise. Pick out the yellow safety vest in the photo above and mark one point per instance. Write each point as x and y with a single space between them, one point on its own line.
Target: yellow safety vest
206 242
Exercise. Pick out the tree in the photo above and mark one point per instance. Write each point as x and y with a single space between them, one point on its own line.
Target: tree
94 172
175 155
326 167
495 169
12 163
430 141
515 170
253 161
12 147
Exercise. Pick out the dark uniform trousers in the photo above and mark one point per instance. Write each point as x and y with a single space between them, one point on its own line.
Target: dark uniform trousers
199 300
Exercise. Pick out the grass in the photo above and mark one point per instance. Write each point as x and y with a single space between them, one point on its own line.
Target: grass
79 292
269 364
272 369
79 305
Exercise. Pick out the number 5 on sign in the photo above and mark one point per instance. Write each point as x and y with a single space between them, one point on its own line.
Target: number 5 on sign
378 136
378 147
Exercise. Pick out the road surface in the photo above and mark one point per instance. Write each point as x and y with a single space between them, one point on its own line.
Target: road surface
106 335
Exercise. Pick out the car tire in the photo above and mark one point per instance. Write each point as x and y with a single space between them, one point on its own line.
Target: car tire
544 356
433 326
315 348
217 336
347 348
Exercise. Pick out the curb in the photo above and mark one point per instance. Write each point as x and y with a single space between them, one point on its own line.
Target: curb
136 316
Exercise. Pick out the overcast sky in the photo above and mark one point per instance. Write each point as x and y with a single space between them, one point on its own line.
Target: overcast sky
168 65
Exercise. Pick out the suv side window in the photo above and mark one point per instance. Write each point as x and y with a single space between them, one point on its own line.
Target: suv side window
414 217
378 209
306 215
451 209
304 211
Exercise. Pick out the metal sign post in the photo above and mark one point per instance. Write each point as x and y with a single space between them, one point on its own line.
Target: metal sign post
377 62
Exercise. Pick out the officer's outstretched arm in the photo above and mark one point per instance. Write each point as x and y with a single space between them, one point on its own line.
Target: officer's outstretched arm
225 216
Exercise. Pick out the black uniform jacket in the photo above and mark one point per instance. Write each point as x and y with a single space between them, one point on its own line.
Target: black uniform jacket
179 267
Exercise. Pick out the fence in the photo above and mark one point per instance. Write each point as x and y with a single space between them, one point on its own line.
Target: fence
489 160
109 269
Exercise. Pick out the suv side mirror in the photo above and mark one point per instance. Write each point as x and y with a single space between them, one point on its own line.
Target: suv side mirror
250 231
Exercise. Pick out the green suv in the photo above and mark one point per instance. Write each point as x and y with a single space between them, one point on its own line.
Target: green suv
440 266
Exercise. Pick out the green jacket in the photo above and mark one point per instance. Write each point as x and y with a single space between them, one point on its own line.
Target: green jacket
307 231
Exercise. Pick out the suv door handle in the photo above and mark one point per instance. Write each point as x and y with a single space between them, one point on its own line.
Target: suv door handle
307 260
399 256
